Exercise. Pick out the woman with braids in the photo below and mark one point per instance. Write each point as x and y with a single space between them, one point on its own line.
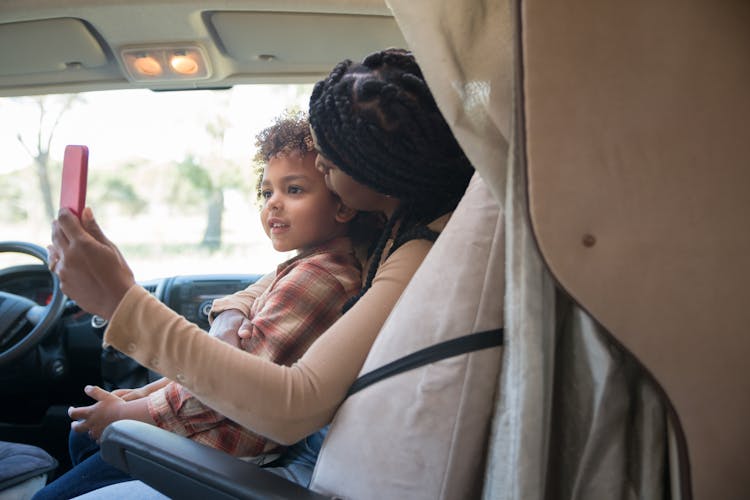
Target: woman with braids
384 147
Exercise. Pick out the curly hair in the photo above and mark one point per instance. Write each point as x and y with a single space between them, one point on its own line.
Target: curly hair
289 135
378 122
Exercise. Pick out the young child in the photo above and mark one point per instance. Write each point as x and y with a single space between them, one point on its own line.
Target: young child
289 310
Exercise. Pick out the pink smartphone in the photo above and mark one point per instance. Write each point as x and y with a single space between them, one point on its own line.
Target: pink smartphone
74 176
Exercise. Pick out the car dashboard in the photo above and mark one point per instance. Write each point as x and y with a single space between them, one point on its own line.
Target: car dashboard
192 296
72 355
38 388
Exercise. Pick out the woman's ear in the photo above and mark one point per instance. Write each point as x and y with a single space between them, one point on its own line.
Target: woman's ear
344 213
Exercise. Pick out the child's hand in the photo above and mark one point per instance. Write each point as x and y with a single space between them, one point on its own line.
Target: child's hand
130 394
227 326
141 392
108 408
245 332
124 394
95 418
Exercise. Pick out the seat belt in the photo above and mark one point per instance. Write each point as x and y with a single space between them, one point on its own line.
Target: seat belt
431 354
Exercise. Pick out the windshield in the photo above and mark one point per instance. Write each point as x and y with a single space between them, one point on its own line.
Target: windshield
170 173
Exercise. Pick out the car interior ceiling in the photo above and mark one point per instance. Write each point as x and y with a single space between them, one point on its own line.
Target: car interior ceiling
59 48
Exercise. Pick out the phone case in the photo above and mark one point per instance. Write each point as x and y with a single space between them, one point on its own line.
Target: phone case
74 179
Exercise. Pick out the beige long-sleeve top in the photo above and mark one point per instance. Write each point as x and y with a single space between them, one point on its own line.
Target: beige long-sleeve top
282 403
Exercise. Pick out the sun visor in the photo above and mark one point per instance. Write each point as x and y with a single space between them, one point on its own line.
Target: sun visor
274 42
48 46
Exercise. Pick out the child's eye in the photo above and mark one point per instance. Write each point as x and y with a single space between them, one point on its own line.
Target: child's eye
265 194
294 190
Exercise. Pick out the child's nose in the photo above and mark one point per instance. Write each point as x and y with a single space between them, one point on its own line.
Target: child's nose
274 202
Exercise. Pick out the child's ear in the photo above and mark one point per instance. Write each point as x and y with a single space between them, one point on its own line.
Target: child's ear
344 213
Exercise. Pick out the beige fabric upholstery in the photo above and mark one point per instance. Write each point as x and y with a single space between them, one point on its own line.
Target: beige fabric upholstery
576 418
542 445
635 122
466 54
423 433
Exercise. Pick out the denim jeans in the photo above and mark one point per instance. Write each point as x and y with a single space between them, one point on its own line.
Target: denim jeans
298 461
90 471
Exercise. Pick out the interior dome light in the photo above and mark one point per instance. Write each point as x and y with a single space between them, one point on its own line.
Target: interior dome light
183 64
147 65
167 63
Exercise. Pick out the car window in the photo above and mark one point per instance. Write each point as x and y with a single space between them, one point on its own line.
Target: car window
170 173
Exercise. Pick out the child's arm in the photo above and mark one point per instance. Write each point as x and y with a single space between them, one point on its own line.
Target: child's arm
302 304
200 423
225 328
108 408
242 300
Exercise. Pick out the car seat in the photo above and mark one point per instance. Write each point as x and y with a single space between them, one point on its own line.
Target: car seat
23 470
616 266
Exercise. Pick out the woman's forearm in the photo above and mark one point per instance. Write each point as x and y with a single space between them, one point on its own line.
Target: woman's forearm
281 403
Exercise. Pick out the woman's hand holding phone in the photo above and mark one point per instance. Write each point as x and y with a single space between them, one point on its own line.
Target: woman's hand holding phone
91 269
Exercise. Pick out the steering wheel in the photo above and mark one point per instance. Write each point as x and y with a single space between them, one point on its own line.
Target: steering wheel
17 313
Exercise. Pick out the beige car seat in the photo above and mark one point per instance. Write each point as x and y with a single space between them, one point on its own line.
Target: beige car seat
424 431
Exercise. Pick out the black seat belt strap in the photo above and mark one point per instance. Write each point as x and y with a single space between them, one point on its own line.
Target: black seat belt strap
437 352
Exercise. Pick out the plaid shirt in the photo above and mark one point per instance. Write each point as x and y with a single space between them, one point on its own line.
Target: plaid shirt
301 302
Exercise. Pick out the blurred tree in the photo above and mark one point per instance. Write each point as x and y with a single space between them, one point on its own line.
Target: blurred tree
117 187
208 178
212 235
51 110
11 202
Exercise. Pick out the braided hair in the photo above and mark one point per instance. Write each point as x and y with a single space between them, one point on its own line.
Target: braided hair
378 122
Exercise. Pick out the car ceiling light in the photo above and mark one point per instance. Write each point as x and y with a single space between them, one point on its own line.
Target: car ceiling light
183 63
167 63
147 65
